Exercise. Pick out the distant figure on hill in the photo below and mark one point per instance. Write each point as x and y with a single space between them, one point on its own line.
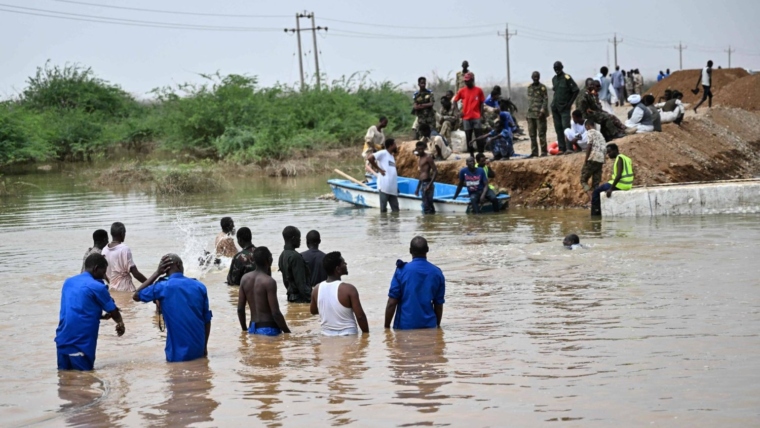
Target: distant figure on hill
121 267
373 141
224 244
605 95
448 116
472 111
423 104
661 76
667 72
460 75
638 82
706 79
629 87
618 82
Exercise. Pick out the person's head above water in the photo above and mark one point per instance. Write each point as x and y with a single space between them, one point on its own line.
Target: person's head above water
313 239
570 240
263 259
100 238
228 226
335 265
244 237
118 232
173 262
419 246
96 265
292 236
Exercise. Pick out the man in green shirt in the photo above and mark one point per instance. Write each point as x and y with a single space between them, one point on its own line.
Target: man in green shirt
565 93
538 108
295 273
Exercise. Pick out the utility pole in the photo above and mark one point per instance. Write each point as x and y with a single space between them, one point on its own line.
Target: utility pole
680 48
729 55
507 35
615 42
298 30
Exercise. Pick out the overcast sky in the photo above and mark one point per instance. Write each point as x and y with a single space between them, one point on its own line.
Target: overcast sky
141 58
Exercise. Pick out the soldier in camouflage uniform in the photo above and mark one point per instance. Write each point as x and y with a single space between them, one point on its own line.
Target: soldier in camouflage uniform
243 262
590 108
565 93
448 116
423 104
460 76
538 108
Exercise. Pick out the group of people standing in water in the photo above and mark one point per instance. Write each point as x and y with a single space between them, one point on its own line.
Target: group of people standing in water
415 298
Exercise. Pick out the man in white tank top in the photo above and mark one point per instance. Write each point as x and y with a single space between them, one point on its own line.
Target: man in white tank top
706 79
337 302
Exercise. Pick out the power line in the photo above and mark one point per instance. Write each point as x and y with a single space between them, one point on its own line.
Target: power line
133 22
409 37
173 12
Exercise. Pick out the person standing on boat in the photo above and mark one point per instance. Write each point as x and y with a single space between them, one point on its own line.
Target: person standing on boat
477 186
428 173
384 163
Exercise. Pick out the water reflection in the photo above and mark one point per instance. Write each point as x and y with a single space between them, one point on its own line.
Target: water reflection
189 399
344 360
419 368
263 375
82 392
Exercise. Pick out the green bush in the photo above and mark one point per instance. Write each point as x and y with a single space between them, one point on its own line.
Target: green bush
20 136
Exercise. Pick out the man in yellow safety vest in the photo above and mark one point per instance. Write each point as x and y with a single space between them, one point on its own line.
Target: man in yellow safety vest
622 178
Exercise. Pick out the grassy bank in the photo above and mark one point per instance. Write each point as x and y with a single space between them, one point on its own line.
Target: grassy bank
67 113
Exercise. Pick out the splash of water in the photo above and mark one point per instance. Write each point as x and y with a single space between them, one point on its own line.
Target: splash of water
197 249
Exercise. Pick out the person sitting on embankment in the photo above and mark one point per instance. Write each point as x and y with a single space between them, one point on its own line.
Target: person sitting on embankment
622 178
640 119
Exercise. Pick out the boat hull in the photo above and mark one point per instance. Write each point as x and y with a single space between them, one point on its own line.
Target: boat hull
352 193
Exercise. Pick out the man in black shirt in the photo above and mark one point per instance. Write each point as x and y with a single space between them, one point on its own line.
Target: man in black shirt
313 258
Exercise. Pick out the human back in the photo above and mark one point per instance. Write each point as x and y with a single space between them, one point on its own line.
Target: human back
336 302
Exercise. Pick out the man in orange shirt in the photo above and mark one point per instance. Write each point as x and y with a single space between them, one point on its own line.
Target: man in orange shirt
472 110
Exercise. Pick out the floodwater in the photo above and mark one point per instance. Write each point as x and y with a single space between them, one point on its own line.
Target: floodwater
656 323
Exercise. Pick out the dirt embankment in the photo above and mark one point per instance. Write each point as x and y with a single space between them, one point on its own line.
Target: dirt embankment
743 93
722 144
686 80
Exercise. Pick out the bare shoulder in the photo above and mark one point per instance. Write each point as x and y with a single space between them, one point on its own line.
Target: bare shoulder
348 288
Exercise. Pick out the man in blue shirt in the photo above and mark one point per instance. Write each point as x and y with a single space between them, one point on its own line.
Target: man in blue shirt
417 292
477 186
84 298
184 304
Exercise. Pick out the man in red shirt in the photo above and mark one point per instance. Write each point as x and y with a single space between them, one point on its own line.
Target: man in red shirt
472 109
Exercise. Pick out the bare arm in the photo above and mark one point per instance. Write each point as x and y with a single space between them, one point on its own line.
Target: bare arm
274 306
390 311
116 316
356 306
438 313
373 162
136 273
313 308
459 188
433 168
146 282
242 302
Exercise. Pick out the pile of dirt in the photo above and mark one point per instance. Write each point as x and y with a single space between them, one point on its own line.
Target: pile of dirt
743 93
686 80
722 144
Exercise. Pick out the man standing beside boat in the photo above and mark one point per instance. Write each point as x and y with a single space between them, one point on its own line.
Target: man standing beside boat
428 173
384 163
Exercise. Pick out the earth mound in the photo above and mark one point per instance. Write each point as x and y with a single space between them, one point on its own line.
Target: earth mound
685 81
743 93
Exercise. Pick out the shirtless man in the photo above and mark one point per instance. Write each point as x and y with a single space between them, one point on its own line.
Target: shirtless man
428 173
259 290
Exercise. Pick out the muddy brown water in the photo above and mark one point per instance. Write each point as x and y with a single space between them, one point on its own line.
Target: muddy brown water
654 324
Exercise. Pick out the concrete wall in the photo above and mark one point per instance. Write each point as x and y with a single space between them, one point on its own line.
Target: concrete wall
741 196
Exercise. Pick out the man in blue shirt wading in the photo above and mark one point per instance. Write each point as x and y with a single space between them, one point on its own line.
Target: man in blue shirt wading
84 298
416 296
477 186
184 304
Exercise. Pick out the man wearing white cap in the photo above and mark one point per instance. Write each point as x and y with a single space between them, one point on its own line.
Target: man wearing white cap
639 118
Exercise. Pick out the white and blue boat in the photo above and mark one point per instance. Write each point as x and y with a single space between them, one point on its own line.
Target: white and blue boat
443 196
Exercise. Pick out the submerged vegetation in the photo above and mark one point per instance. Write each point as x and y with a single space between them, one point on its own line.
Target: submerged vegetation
163 179
67 113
